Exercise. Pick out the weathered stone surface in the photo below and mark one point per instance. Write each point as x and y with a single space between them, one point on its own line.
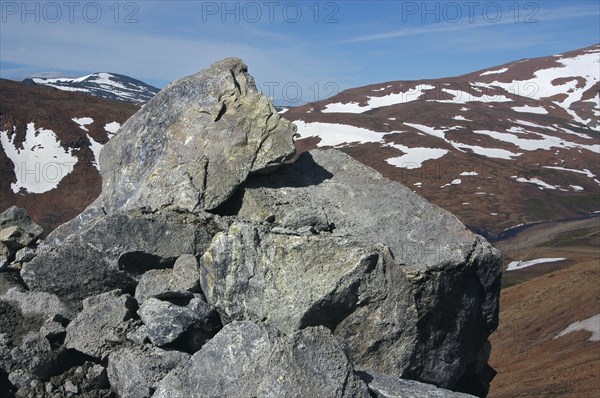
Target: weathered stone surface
310 363
135 372
384 386
165 283
102 324
421 306
16 216
248 359
194 143
36 303
35 355
25 255
165 322
111 252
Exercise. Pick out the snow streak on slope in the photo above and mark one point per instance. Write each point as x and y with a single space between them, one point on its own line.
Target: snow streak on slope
591 325
378 102
40 162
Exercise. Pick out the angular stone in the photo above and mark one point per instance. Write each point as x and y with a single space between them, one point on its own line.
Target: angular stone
421 306
165 283
192 145
249 359
229 365
111 252
384 386
101 326
165 322
36 303
16 216
135 372
310 363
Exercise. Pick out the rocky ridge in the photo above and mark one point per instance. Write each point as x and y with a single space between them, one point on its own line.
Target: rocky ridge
211 265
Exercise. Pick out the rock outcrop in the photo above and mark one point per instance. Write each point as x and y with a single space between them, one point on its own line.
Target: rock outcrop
209 266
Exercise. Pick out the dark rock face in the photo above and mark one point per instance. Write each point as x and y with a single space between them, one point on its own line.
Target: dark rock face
302 274
111 252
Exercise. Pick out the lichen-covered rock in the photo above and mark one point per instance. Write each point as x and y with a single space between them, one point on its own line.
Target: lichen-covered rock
165 321
248 359
230 365
407 288
194 143
135 372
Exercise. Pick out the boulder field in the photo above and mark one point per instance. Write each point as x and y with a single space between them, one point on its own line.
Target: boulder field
215 263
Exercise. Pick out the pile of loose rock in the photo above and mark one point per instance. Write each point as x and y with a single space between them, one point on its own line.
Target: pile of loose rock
211 266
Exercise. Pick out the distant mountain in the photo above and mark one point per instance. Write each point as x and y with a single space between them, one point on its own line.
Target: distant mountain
499 147
50 141
104 85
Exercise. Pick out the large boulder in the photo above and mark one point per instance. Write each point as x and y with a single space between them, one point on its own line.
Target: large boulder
248 359
103 324
135 372
113 251
407 288
192 145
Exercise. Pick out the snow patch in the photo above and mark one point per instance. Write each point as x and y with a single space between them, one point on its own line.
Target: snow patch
83 121
494 72
517 265
95 147
540 110
40 163
112 127
590 325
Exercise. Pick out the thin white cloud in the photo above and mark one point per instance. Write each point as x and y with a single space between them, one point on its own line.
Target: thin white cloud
540 16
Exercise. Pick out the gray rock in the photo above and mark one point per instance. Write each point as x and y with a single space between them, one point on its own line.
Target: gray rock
15 216
310 363
421 306
111 252
20 378
165 322
135 372
15 238
250 360
36 303
165 283
35 355
25 255
70 387
139 335
384 386
102 324
3 262
230 365
194 143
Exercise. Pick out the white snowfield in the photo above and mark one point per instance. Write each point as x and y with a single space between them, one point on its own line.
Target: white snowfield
494 72
591 325
337 135
530 109
378 102
95 147
517 265
112 127
40 162
83 121
541 184
584 66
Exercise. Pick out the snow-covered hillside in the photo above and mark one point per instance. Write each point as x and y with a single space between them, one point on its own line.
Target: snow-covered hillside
104 85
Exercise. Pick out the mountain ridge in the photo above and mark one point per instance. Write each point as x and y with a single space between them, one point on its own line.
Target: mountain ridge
102 84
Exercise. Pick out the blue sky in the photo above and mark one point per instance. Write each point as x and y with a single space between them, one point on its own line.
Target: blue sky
297 50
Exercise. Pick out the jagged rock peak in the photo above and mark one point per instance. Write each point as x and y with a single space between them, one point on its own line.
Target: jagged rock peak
194 143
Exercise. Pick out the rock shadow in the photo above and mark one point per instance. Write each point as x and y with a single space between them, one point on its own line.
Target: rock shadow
304 172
